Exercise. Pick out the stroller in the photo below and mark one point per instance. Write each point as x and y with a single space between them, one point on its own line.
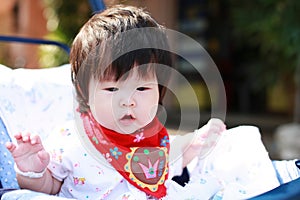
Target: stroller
36 98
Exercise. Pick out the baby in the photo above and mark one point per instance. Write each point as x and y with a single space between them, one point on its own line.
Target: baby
116 148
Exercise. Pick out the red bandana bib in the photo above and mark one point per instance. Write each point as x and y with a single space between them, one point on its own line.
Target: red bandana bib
141 158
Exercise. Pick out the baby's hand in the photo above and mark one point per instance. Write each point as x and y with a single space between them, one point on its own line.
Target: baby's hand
208 136
204 141
29 153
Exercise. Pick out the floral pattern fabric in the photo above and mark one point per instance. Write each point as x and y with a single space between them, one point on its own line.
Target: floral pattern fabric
7 173
35 100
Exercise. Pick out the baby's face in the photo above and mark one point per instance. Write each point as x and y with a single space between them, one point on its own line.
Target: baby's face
126 105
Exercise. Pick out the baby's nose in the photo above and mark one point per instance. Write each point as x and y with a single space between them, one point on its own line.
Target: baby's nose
128 103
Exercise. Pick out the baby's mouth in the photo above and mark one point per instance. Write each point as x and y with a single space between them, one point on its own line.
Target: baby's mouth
128 117
127 120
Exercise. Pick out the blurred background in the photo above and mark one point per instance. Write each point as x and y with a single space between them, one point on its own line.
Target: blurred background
255 45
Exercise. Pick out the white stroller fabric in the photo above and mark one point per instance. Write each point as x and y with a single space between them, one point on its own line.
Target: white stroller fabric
35 100
241 163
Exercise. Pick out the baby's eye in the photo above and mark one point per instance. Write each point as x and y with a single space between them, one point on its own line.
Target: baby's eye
142 88
111 89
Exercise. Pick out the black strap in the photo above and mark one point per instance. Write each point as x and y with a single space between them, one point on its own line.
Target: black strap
298 164
183 179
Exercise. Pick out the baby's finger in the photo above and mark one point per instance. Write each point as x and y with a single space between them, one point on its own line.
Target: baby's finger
34 139
216 130
25 136
217 126
10 146
216 121
18 136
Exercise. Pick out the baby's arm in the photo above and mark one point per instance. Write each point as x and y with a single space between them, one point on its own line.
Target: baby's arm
30 156
204 140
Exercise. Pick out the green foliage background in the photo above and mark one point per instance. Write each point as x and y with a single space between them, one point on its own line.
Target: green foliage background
67 17
271 27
